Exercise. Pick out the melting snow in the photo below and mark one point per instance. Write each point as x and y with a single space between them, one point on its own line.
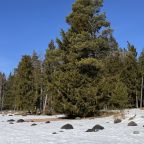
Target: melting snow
24 133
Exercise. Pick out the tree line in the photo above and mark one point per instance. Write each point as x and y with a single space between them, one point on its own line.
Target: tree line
83 72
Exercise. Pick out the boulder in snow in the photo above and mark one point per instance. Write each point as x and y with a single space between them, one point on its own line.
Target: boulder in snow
47 122
10 115
132 123
33 124
117 121
97 127
11 120
54 133
92 130
20 121
67 126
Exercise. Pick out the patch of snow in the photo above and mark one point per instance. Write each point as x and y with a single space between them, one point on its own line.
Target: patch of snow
24 133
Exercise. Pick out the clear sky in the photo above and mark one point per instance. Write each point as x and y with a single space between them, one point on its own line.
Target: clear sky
27 25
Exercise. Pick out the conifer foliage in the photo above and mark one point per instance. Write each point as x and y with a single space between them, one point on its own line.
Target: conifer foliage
83 72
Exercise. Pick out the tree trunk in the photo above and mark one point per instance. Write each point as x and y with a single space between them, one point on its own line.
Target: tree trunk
141 101
136 100
45 103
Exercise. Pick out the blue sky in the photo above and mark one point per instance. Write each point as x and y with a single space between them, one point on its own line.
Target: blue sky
27 25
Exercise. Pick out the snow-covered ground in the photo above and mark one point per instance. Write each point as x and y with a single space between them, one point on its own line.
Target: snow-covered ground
24 133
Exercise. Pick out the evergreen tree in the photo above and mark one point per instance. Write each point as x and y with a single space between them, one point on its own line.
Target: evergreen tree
119 98
141 76
84 47
37 80
51 64
2 90
86 72
9 101
130 73
25 99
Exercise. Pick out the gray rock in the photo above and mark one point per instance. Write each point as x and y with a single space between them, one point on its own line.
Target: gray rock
11 123
54 133
92 130
61 131
20 121
132 123
117 121
33 124
136 132
47 122
67 127
11 120
97 127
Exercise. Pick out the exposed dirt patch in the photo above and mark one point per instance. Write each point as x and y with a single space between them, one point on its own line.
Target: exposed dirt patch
44 120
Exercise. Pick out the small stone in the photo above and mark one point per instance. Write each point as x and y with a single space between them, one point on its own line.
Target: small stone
117 121
47 122
20 121
33 124
54 133
10 115
61 131
11 120
92 130
11 123
136 132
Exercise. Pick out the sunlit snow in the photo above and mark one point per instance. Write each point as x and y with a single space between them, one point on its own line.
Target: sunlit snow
24 133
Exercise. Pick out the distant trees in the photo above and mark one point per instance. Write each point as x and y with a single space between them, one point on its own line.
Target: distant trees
141 76
11 92
2 90
51 63
81 73
37 81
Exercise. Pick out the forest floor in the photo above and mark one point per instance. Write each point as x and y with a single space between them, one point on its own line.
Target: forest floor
51 133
